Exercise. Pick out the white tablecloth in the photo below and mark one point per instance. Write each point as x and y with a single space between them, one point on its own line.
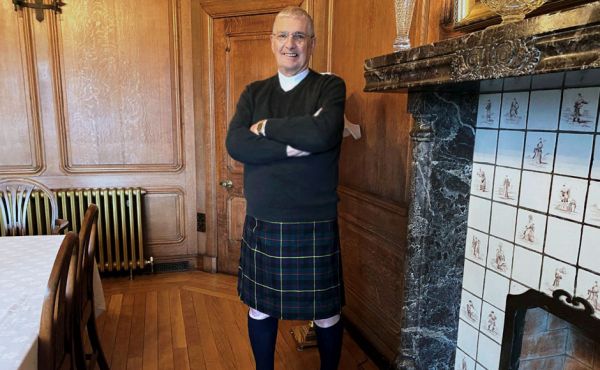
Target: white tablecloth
25 265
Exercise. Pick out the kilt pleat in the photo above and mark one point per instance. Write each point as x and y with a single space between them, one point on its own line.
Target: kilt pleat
291 270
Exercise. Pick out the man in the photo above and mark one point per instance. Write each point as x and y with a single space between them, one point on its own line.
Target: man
287 131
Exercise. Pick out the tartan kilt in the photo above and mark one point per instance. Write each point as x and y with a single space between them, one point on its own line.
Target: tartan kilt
291 270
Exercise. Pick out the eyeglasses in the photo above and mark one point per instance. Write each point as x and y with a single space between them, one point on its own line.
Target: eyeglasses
297 37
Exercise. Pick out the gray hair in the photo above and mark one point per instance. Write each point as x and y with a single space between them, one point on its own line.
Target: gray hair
297 12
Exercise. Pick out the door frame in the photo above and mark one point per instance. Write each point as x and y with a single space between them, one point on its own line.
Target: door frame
203 13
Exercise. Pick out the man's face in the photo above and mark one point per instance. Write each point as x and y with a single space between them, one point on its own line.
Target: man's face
292 56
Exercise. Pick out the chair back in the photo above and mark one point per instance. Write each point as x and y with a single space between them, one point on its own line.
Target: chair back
85 263
55 322
14 200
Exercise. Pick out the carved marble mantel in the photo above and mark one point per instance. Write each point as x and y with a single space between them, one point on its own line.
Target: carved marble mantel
442 80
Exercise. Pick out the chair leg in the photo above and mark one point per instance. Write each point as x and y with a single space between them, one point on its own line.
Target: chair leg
95 343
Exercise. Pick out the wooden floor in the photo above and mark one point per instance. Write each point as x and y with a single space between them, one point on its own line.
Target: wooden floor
193 320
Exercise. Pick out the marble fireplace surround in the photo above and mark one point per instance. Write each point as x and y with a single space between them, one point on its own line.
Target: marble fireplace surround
443 82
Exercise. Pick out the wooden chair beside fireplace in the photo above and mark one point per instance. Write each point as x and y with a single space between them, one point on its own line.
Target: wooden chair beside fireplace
15 196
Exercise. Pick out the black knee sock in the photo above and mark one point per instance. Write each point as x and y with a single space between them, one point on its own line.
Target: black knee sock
263 335
330 345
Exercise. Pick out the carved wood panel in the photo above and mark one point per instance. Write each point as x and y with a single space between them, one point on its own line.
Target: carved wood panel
121 85
20 140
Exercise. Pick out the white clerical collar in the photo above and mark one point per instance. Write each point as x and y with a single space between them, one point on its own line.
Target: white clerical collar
288 83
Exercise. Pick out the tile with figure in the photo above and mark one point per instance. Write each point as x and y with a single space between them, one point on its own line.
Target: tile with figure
506 185
500 256
481 180
514 110
488 111
477 246
588 287
567 197
579 109
530 229
539 151
463 362
492 322
470 308
557 275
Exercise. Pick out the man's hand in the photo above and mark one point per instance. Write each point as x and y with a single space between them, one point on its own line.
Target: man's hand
258 127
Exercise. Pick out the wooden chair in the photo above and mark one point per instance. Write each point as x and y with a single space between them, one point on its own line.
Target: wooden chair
55 323
14 200
84 316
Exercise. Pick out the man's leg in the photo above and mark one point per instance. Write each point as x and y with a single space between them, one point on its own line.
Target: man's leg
329 338
262 330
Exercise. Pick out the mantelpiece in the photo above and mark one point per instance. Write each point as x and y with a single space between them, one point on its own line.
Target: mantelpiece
444 81
561 41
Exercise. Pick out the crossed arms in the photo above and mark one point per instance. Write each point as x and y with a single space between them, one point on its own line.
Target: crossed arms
286 137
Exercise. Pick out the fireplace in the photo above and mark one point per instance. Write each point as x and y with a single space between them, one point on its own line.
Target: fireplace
506 180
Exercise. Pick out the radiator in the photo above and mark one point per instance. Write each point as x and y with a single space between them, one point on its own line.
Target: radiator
120 240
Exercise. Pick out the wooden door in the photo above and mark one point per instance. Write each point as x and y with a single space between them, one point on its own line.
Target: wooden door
242 54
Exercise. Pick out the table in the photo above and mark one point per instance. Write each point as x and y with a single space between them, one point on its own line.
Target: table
25 265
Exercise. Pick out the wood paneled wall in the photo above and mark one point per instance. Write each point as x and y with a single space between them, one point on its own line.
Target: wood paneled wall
102 96
374 171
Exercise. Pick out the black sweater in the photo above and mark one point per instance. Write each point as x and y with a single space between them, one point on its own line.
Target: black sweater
278 187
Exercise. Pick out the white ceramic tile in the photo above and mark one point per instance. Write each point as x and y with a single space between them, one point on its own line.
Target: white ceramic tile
506 185
588 287
479 367
527 267
535 188
503 221
500 256
573 154
496 289
579 109
473 278
482 180
596 160
557 275
562 239
492 322
470 308
489 353
510 148
479 213
589 256
568 197
488 112
463 361
467 338
592 211
477 246
539 151
544 108
485 146
517 288
514 110
531 229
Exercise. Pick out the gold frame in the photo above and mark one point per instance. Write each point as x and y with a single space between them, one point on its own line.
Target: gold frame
472 15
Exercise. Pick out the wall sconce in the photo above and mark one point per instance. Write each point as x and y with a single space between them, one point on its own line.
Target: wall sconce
39 7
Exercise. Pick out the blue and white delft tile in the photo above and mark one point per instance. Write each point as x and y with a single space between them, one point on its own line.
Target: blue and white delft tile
470 308
535 188
495 289
596 160
500 256
539 151
488 111
573 154
492 322
482 180
467 338
473 277
479 214
589 255
463 361
592 209
588 287
506 185
476 247
557 275
527 268
562 239
503 220
488 353
530 229
579 109
485 146
510 148
514 110
568 197
544 109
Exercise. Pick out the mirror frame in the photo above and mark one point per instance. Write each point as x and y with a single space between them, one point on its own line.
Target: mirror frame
574 310
472 15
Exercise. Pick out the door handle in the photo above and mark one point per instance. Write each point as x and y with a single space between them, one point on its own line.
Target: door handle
228 184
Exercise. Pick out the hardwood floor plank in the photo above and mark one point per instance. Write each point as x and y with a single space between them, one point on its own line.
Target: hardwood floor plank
192 334
150 356
219 332
165 345
109 331
119 357
180 355
207 341
136 337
